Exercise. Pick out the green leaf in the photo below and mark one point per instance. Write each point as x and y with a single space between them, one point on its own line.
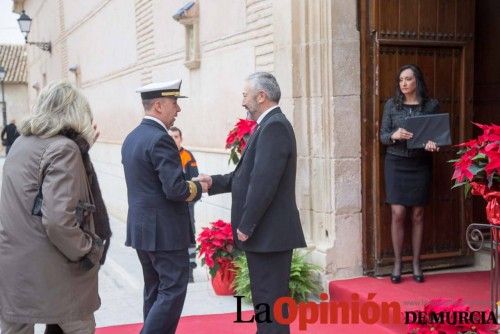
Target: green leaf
233 157
467 189
479 156
303 278
459 184
475 169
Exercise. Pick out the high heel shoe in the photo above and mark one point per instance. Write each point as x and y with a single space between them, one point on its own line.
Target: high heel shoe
419 278
395 279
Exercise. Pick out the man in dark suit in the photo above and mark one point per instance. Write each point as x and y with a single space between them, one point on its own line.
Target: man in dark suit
264 213
158 223
9 135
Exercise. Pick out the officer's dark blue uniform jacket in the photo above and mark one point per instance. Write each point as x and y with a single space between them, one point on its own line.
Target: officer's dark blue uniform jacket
158 194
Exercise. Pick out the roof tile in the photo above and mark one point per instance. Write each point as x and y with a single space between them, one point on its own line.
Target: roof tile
13 59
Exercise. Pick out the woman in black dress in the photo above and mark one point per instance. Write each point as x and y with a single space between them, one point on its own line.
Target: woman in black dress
407 171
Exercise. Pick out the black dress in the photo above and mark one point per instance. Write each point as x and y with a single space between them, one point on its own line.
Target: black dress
407 172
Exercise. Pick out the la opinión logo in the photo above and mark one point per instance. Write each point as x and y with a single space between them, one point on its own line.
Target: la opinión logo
355 312
324 312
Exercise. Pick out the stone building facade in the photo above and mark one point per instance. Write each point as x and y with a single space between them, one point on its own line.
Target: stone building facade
111 47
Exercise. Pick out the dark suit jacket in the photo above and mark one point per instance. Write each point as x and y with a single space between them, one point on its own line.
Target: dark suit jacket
158 215
263 189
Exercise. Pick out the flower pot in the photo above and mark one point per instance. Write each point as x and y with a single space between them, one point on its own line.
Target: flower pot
222 282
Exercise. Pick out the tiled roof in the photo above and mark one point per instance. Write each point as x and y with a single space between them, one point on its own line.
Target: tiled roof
13 60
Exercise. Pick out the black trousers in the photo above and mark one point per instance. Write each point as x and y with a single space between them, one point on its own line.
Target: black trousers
166 276
269 278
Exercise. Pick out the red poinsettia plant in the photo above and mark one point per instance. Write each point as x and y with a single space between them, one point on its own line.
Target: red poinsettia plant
478 169
450 323
238 137
216 247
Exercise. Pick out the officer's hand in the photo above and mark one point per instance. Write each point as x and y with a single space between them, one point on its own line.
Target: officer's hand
204 178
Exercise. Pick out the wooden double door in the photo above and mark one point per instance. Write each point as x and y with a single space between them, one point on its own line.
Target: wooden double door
438 36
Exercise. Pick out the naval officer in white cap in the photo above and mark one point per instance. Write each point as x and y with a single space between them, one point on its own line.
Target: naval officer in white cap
158 222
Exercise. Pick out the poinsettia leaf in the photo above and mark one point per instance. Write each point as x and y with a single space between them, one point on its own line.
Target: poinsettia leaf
467 188
453 160
459 184
474 169
479 156
234 156
490 180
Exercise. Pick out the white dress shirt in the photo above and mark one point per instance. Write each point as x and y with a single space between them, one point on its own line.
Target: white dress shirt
157 121
261 117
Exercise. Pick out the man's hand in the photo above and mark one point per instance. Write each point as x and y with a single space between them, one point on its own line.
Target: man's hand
431 146
205 179
241 236
401 134
204 186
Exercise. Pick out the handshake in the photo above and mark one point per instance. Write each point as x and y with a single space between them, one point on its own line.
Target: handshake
205 181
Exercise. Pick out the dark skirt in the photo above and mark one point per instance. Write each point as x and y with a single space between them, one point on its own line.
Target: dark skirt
407 180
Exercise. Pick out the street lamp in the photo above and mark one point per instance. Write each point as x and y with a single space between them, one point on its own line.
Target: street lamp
25 25
3 72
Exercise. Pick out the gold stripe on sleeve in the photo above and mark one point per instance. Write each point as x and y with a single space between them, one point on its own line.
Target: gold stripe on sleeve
193 191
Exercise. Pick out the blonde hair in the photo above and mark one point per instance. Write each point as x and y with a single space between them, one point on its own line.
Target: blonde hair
60 106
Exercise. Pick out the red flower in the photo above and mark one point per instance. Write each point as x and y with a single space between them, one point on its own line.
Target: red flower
492 151
478 165
491 133
237 138
462 166
471 143
231 138
245 127
216 246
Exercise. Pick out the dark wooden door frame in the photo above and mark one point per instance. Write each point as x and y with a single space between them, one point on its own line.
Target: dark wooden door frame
369 133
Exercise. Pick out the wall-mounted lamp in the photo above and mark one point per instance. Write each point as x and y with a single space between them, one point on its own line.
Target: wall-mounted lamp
74 69
25 25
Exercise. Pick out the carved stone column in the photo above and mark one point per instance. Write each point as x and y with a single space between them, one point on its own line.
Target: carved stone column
318 58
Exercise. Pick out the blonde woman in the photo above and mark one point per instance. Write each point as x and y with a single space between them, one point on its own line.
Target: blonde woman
53 224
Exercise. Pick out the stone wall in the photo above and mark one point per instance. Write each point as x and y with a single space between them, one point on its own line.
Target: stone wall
16 98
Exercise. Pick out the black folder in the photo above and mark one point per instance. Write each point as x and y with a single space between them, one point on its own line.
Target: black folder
435 127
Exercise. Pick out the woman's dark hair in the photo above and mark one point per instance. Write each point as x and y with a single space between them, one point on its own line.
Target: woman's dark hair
421 87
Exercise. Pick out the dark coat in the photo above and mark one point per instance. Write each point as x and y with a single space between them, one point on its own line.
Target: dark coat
263 189
158 215
9 134
392 119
